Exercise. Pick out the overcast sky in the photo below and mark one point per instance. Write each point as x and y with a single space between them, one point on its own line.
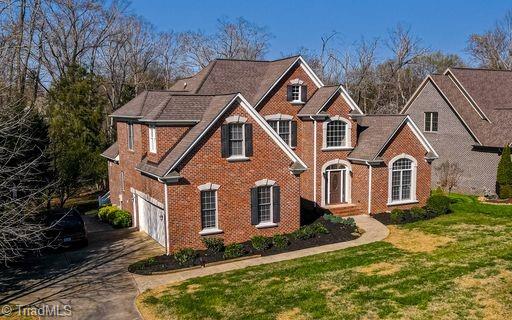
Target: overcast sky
442 25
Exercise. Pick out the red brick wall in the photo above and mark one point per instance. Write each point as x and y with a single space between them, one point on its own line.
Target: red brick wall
235 179
404 142
166 138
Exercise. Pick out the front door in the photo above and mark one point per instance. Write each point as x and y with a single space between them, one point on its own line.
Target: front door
335 186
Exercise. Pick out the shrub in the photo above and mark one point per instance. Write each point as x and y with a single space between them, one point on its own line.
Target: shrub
260 243
185 256
333 218
349 223
214 244
319 228
505 191
234 250
105 211
417 213
121 219
303 233
438 204
437 190
397 215
280 241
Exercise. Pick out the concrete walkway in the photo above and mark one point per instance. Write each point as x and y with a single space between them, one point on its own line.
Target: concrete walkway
374 231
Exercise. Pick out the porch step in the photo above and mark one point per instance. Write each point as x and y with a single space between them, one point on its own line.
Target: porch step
345 210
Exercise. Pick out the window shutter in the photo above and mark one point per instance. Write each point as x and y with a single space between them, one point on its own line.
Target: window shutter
293 138
248 139
276 204
224 137
254 206
303 93
289 93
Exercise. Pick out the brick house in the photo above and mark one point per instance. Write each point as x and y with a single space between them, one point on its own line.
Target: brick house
243 147
466 115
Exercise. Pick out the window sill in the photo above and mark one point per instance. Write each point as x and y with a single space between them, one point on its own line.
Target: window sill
297 102
336 148
210 231
397 203
264 225
237 158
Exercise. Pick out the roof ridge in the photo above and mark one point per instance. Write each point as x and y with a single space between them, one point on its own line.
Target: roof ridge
479 69
385 115
214 62
204 94
254 60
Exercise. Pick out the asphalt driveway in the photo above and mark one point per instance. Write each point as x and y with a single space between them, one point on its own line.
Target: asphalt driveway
93 281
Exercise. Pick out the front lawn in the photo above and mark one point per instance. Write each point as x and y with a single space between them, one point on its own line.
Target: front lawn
454 266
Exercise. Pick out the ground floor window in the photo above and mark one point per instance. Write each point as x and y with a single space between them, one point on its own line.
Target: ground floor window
209 209
264 204
402 179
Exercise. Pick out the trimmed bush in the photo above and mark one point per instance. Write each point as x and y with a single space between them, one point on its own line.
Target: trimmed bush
349 223
438 204
505 191
319 228
397 215
304 233
504 174
280 241
105 211
333 218
121 219
185 256
345 222
417 213
234 250
214 244
260 243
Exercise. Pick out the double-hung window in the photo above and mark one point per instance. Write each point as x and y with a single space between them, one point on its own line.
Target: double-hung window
296 93
431 121
130 136
264 204
236 139
283 128
152 139
209 209
336 134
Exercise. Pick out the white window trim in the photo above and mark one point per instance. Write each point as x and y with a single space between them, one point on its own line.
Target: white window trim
267 183
131 136
122 181
210 187
414 166
431 121
298 101
348 132
241 120
348 181
282 118
152 138
278 117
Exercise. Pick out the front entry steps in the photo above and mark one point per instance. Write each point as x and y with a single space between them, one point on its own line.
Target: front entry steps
344 210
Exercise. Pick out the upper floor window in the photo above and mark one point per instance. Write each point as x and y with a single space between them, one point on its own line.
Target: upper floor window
236 138
431 121
297 92
283 128
152 139
337 133
402 179
130 136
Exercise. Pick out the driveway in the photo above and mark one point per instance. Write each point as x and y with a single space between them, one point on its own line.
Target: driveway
93 280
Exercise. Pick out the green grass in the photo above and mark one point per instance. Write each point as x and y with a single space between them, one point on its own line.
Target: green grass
470 277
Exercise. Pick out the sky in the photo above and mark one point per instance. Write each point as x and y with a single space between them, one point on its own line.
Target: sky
442 25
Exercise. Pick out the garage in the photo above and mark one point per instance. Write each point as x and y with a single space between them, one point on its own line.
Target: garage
151 217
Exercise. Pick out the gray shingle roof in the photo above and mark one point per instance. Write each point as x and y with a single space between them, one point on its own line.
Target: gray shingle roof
374 131
318 100
112 152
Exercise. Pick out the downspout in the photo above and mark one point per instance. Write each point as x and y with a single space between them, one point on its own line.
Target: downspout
166 209
314 159
369 187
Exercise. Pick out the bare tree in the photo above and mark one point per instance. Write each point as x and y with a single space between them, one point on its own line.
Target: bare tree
493 49
449 175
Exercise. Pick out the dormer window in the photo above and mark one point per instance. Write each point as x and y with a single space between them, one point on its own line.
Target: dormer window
297 92
152 139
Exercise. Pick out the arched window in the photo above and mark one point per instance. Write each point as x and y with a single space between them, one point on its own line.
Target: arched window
337 133
402 178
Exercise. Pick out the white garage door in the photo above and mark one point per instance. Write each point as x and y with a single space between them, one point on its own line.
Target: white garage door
151 219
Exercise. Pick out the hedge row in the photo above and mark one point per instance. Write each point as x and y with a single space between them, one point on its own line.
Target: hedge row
116 217
437 204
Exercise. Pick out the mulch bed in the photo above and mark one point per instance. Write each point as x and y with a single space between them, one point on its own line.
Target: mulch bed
337 233
498 201
383 217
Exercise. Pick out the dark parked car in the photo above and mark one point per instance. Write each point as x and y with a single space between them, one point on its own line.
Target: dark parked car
66 228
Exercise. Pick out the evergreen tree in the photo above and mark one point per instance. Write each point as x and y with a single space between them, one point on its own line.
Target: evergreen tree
76 128
504 176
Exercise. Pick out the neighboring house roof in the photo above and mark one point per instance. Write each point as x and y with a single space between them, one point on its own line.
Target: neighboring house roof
481 98
217 105
112 152
252 78
375 133
323 96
